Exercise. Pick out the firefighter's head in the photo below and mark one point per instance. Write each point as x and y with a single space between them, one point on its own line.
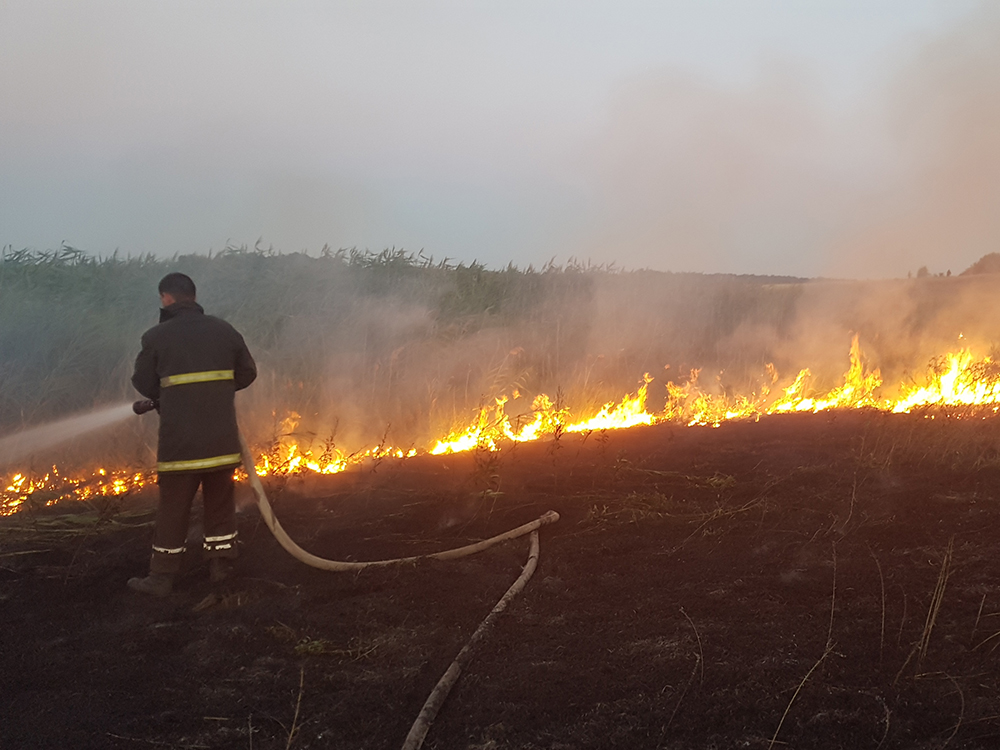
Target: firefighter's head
176 287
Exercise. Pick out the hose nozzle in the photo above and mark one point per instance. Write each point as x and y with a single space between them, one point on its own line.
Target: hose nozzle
144 405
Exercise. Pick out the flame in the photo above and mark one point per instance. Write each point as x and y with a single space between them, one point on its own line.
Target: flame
955 379
858 390
631 412
689 405
52 487
493 425
288 457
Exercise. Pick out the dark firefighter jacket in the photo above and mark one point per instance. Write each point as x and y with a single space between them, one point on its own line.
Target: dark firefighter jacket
193 364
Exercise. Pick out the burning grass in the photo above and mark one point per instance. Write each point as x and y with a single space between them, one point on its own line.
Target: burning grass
374 357
958 386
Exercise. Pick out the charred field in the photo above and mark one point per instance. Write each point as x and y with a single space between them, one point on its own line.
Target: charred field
811 581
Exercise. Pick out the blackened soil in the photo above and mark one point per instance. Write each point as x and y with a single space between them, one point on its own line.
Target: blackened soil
805 581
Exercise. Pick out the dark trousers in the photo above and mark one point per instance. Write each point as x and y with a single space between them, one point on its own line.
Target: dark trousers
177 491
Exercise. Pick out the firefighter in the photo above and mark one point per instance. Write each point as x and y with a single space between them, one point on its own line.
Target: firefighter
191 365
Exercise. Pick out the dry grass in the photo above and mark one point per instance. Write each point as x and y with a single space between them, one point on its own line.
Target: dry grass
298 707
827 650
881 632
306 645
936 598
699 665
957 439
919 649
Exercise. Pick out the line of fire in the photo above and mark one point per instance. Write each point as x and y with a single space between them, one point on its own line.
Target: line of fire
957 384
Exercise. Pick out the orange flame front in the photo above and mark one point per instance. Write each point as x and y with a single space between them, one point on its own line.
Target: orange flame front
956 379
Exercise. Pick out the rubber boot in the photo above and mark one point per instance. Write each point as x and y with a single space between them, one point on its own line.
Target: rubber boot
155 584
219 569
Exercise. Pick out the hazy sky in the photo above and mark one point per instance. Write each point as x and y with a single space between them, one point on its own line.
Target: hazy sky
849 138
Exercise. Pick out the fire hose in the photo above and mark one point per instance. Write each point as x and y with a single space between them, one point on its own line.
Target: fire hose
318 562
417 733
437 697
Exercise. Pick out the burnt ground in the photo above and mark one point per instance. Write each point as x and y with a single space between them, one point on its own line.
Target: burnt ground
822 581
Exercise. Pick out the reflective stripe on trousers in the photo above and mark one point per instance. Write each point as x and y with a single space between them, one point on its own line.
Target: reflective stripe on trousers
171 551
226 541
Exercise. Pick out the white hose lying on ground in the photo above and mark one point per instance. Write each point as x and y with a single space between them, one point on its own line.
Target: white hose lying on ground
440 692
318 562
437 697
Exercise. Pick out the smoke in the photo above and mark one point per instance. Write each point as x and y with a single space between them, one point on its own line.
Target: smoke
412 361
695 179
364 349
772 178
942 126
408 354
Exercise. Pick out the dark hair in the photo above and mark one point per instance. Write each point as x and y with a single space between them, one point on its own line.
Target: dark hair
178 285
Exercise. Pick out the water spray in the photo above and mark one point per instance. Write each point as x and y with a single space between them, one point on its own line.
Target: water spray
35 439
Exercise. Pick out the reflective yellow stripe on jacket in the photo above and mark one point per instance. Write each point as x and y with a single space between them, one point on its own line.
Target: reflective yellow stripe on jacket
198 464
196 377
